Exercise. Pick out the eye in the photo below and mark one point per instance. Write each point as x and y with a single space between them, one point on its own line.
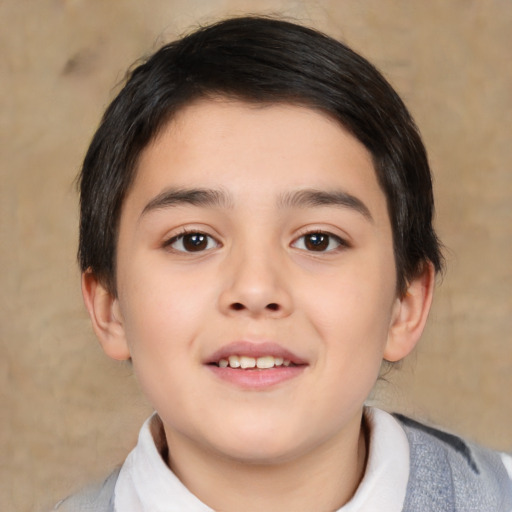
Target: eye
318 242
192 242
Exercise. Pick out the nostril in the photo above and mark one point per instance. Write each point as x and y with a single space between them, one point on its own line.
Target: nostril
238 306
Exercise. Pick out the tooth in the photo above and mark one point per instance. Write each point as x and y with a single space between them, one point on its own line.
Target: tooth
286 362
247 362
278 361
265 362
223 363
234 361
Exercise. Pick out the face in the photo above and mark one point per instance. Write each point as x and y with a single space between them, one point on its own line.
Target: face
256 279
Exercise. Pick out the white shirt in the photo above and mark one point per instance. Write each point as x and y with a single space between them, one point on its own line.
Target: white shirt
146 484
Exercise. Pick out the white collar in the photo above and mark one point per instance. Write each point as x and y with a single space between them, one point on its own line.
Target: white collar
385 480
146 484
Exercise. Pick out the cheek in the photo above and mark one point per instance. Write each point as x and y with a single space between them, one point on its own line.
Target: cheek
163 309
353 301
352 314
164 319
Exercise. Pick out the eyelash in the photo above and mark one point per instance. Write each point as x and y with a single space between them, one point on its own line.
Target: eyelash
340 242
181 237
330 238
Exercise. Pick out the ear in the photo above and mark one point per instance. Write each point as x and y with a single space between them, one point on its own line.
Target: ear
409 316
107 321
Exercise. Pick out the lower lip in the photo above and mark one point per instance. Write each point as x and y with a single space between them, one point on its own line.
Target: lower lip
257 379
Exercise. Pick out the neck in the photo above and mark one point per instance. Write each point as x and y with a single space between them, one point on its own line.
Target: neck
334 467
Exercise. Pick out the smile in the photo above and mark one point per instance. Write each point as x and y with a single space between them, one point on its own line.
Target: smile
248 362
255 366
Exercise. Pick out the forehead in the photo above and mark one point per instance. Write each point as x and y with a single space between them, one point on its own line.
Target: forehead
255 151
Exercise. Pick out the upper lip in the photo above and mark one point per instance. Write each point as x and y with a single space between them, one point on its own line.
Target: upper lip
252 349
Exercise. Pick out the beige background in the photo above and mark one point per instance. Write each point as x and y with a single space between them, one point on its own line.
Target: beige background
67 413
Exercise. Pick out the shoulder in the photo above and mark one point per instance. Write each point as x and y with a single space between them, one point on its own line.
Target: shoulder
98 497
448 473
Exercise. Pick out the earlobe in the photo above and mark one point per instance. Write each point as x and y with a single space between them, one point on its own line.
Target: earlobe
105 316
410 315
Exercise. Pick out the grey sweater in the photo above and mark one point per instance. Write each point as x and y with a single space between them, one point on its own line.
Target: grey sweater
447 474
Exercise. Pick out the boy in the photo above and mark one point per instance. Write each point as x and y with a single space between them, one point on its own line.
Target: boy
256 237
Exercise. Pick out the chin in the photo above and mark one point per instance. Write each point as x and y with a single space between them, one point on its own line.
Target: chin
262 456
261 446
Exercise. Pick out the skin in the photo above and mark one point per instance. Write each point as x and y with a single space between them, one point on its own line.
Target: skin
258 279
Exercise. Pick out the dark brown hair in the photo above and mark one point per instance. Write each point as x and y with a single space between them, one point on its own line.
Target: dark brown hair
265 60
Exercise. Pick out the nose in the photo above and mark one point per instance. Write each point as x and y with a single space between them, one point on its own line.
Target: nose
256 285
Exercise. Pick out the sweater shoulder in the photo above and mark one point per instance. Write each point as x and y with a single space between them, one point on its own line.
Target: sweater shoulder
98 497
448 473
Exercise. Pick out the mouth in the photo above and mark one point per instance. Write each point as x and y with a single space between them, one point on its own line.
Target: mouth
245 355
244 362
255 366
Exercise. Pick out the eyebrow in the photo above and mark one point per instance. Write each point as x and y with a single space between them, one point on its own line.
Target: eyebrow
312 197
218 198
209 198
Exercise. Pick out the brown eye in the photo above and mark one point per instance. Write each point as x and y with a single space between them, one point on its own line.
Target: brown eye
192 242
195 242
318 242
